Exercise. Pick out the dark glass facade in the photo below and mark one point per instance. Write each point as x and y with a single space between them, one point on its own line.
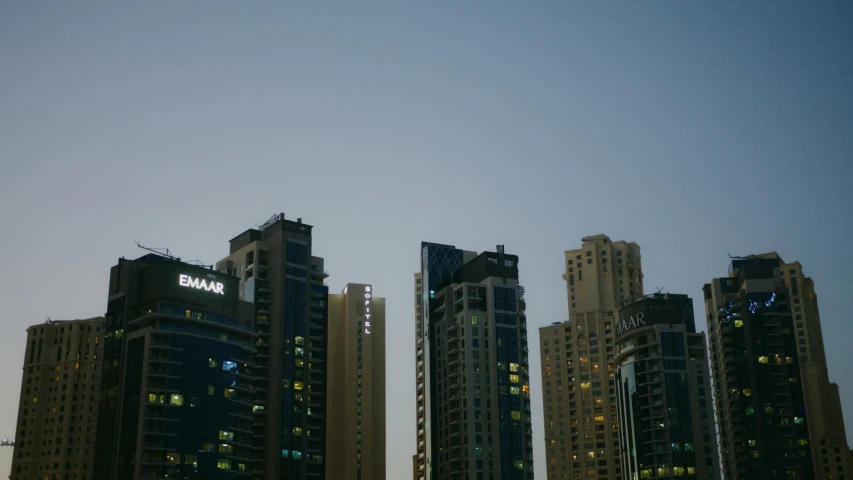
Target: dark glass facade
762 417
478 405
178 372
285 286
665 418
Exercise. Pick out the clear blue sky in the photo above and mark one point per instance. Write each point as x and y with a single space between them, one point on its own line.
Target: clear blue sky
695 129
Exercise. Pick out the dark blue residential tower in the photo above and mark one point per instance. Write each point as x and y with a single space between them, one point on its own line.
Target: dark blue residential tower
473 385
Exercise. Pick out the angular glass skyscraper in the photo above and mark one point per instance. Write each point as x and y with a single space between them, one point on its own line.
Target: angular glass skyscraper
473 385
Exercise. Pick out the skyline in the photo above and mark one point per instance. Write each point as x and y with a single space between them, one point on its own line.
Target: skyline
694 132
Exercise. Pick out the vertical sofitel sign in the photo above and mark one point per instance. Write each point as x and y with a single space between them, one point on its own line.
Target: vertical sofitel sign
368 294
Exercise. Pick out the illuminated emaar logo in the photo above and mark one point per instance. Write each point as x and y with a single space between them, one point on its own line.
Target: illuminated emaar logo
201 284
368 294
631 323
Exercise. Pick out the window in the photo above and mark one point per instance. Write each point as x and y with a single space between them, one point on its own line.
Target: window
176 399
223 463
225 448
229 366
211 362
224 435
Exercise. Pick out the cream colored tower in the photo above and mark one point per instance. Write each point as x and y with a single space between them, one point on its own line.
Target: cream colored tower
59 400
578 393
355 445
827 437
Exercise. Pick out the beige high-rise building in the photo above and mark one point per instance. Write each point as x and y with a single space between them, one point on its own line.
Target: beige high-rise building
576 356
827 436
55 437
355 444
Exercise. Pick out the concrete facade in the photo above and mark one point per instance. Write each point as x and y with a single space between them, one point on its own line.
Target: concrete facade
600 276
355 444
55 437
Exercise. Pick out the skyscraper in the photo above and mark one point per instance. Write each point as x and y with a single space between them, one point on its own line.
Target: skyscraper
663 392
576 356
177 372
285 285
763 425
59 400
827 436
771 307
356 409
473 386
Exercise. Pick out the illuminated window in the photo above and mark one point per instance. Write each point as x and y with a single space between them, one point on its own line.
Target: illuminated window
747 392
297 431
223 463
599 418
223 435
513 367
738 323
752 443
678 471
176 399
590 455
211 362
762 359
525 389
299 351
514 390
513 379
210 389
257 408
473 320
225 448
297 385
584 385
516 415
230 393
299 341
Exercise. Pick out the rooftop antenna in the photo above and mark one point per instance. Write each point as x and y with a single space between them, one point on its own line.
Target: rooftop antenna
158 251
200 264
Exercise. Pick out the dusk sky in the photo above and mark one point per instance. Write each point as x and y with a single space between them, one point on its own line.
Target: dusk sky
696 129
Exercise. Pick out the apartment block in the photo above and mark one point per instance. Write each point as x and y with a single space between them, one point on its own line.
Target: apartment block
763 421
285 284
473 385
576 358
60 390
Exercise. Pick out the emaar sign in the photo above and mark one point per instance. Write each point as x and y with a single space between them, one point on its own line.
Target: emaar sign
201 284
631 323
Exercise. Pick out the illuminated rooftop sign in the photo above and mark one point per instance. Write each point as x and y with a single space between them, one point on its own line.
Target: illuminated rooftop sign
201 284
